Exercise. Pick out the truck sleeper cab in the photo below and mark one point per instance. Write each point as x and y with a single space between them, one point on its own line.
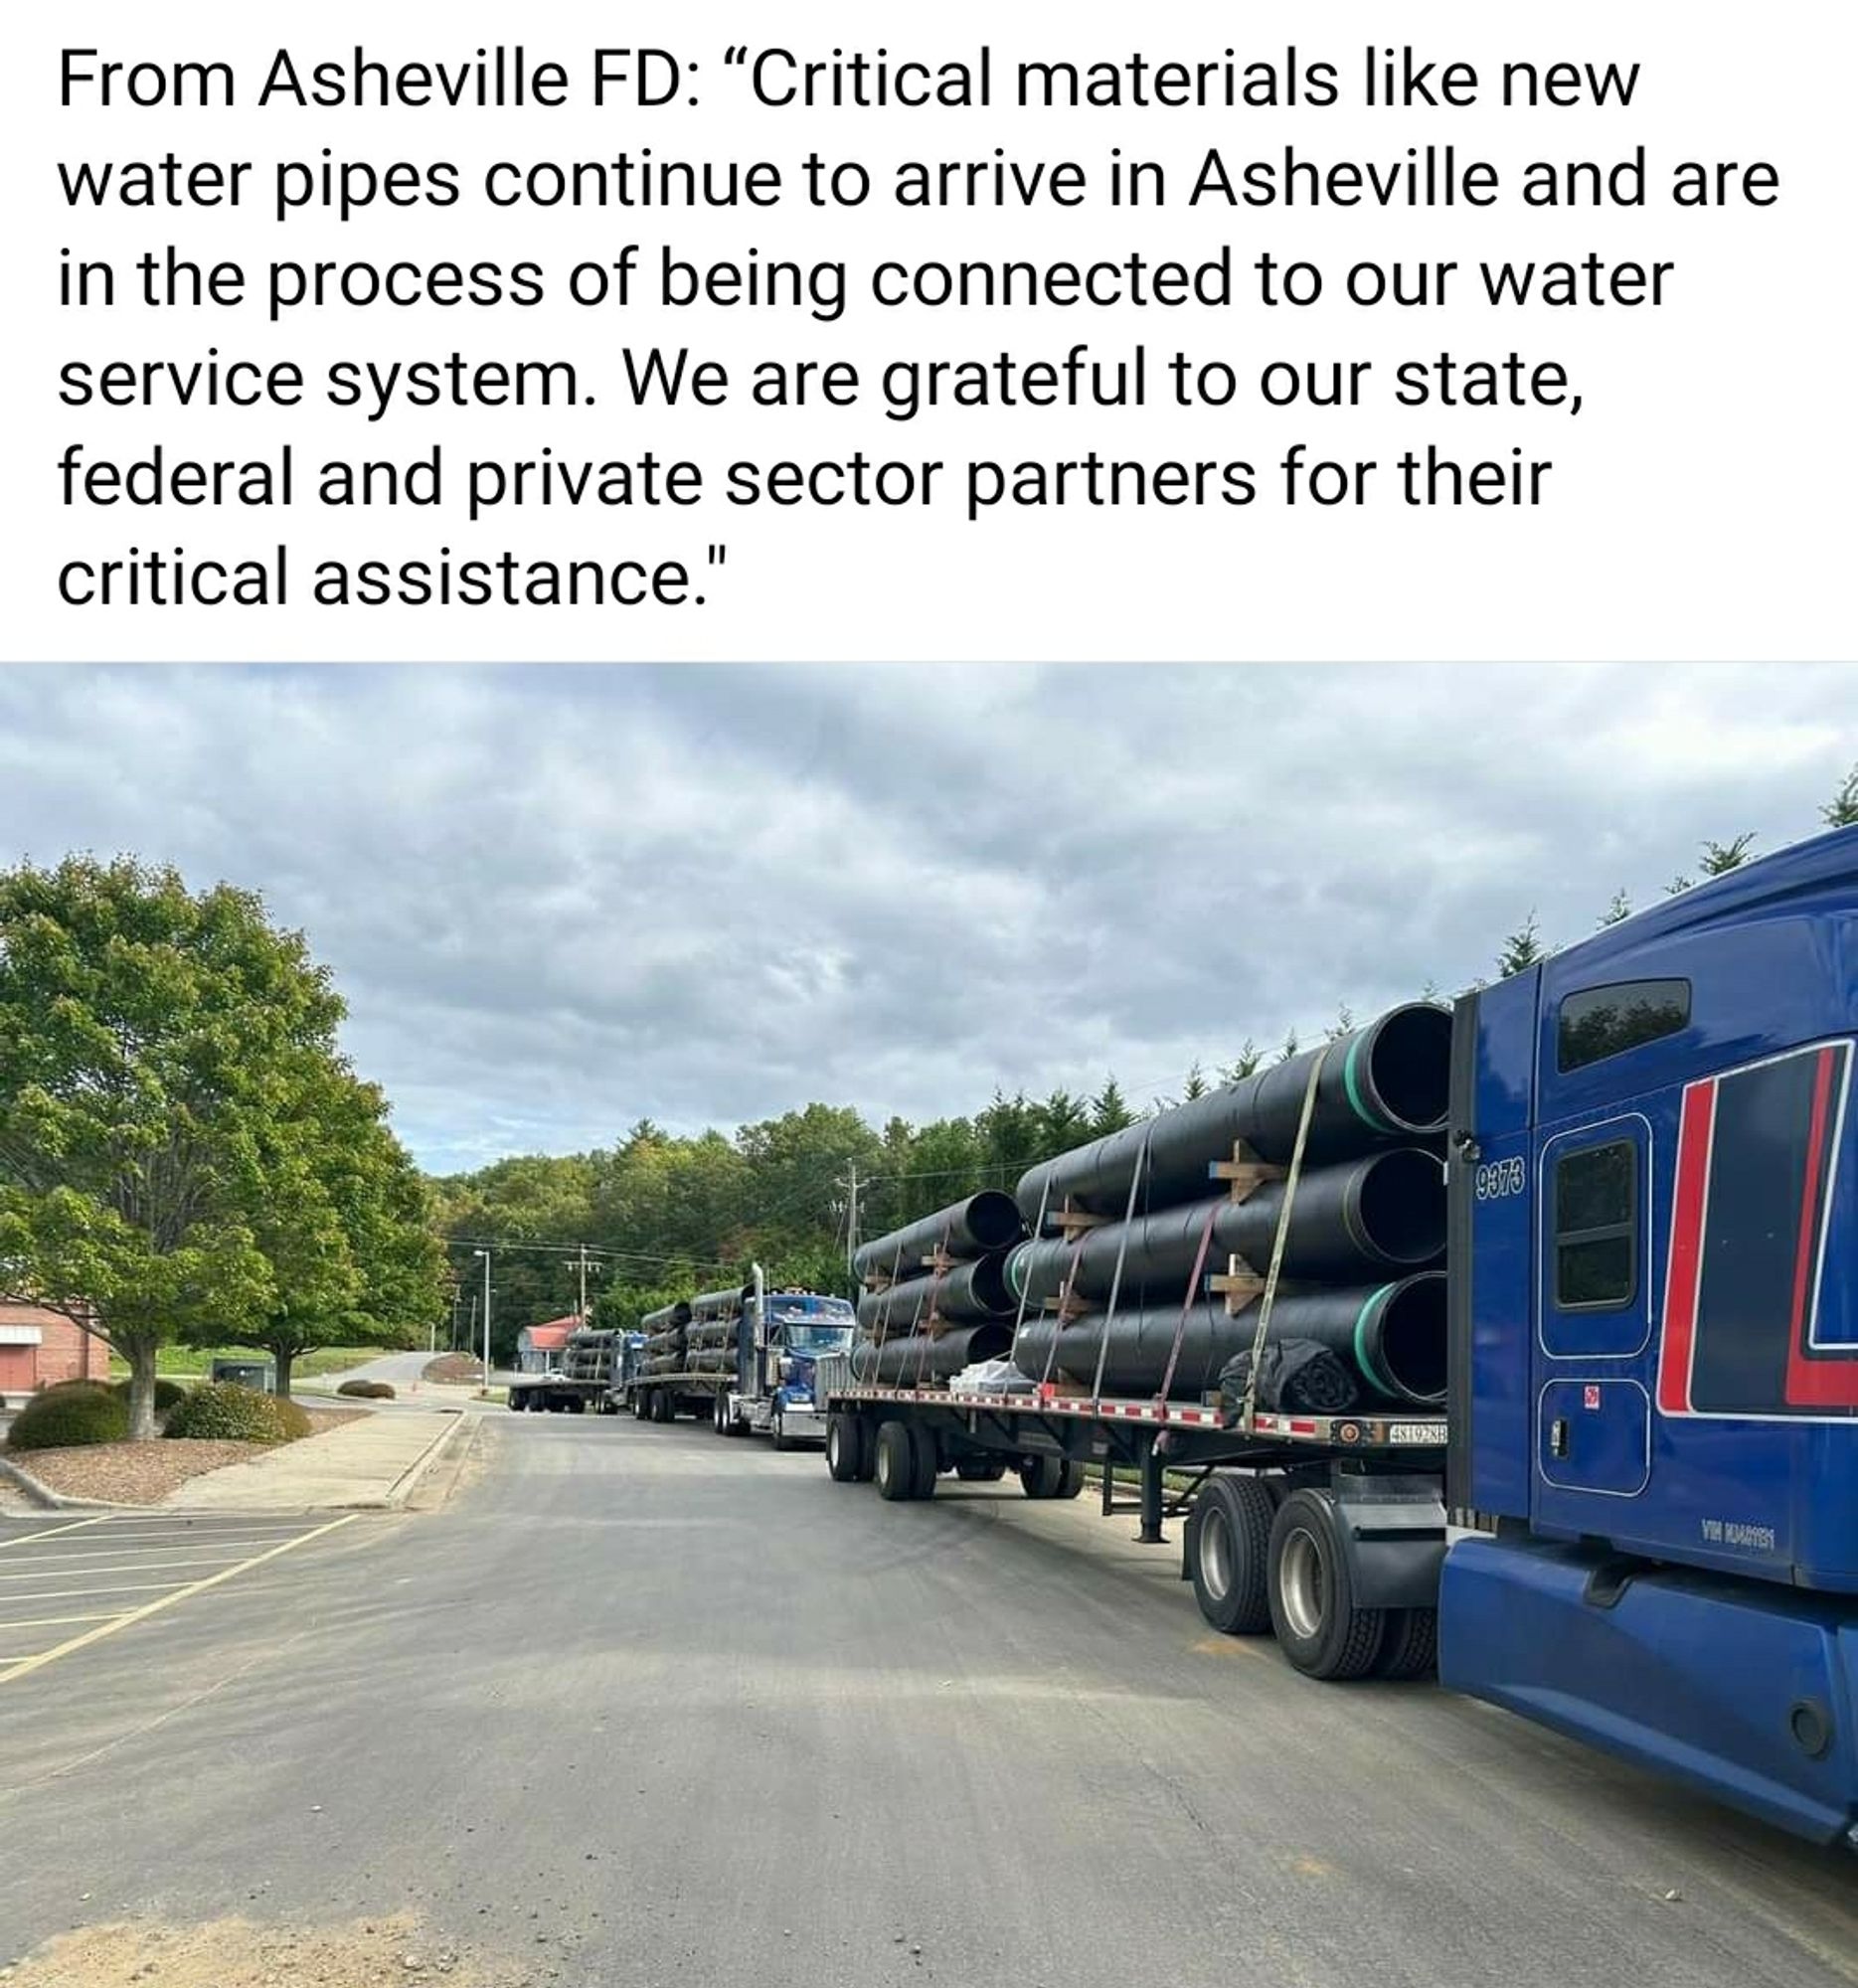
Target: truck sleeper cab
1655 1401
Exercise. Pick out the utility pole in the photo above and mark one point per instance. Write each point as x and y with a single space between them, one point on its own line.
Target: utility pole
485 1253
580 1316
471 1326
851 1219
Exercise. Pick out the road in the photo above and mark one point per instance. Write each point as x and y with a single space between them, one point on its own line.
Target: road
712 1718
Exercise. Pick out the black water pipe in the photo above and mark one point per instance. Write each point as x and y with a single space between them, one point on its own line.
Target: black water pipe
1394 1335
899 1363
1350 1221
1386 1082
972 1292
977 1226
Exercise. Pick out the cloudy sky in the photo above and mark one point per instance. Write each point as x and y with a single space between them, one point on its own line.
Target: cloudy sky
560 901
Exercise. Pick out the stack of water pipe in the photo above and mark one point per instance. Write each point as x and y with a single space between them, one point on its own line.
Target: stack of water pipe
710 1337
934 1295
1151 1249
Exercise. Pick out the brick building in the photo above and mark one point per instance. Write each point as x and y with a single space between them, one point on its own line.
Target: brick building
39 1347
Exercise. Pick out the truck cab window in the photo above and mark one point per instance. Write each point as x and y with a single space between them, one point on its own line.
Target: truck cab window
1596 1227
1601 1022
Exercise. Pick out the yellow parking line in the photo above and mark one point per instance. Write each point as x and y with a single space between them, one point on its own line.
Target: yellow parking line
24 1667
52 1532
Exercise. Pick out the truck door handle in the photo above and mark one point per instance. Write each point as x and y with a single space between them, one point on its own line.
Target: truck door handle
1558 1436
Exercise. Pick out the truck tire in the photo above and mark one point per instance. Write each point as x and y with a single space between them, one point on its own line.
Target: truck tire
1050 1477
846 1439
783 1442
895 1462
981 1469
1230 1560
638 1404
577 1405
518 1401
1411 1646
1312 1603
928 1460
664 1406
718 1412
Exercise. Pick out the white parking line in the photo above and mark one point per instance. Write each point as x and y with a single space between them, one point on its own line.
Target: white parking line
124 1546
58 1621
11 1579
49 1531
19 1667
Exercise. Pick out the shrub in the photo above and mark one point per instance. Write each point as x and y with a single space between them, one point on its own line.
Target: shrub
168 1394
66 1415
224 1412
368 1390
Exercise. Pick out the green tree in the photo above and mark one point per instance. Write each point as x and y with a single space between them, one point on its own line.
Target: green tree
1110 1109
1615 912
148 1037
344 1222
1841 811
1717 858
1523 948
1247 1062
1343 1025
1290 1047
1196 1085
1678 885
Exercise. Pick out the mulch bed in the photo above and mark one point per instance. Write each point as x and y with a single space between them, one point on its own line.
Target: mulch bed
453 1370
143 1473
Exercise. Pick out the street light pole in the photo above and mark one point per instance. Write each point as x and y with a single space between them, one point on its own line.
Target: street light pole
485 1253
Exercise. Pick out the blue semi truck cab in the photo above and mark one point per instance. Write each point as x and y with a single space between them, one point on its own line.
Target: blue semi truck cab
1653 1289
780 1339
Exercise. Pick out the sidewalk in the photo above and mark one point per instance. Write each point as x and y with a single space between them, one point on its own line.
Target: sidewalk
369 1464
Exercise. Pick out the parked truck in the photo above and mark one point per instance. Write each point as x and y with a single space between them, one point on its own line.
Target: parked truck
582 1382
744 1359
1635 1516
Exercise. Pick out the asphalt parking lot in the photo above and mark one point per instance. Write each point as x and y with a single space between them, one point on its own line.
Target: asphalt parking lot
65 1583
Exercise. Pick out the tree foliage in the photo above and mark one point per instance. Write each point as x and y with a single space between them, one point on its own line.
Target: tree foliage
164 1057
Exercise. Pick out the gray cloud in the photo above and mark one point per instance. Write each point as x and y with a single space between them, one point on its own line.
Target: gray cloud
561 900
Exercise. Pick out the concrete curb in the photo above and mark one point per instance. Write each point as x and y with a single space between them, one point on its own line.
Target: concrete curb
53 1501
401 1487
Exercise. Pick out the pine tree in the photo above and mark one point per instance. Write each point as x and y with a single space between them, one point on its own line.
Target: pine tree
1718 858
1841 811
1109 1110
1290 1047
1245 1064
1343 1025
1617 912
1523 948
1196 1085
1677 886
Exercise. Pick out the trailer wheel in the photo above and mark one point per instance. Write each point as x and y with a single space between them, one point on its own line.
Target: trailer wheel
576 1405
1042 1476
981 1469
663 1406
1230 1560
928 1460
1411 1646
895 1462
845 1449
1312 1601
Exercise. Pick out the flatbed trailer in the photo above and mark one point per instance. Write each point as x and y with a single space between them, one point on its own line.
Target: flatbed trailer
1634 1520
1372 1485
